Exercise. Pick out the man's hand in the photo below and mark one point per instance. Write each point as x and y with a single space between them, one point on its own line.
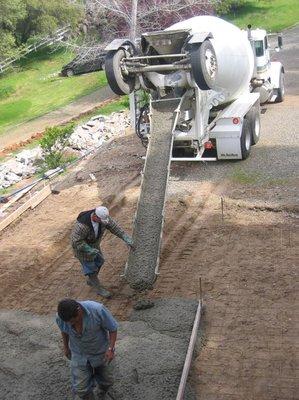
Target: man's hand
129 242
131 246
67 353
109 355
94 252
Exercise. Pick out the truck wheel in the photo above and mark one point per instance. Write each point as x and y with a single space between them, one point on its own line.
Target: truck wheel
120 84
204 65
254 119
281 89
245 139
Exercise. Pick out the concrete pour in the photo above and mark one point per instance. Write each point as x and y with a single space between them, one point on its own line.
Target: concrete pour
151 350
140 271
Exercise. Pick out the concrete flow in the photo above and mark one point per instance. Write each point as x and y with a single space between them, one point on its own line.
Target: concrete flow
151 350
140 271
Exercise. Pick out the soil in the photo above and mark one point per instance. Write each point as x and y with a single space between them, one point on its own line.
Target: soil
246 262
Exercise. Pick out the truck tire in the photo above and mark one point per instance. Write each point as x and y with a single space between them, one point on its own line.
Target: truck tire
281 89
204 65
254 119
119 83
245 139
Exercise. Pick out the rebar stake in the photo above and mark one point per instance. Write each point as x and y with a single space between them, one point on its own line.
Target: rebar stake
222 210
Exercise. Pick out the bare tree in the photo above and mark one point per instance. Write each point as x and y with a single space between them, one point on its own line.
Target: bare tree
131 17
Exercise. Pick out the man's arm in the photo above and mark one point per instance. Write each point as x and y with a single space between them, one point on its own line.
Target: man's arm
114 228
111 350
66 349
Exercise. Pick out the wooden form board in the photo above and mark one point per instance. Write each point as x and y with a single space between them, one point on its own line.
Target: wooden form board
31 203
16 198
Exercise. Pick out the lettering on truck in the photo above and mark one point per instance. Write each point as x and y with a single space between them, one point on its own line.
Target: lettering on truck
229 155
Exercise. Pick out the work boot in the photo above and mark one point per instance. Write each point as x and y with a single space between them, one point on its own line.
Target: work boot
93 280
102 393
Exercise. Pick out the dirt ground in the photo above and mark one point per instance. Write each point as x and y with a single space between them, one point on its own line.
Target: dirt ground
246 260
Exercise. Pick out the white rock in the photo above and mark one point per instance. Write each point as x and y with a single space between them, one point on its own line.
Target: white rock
12 178
29 156
13 166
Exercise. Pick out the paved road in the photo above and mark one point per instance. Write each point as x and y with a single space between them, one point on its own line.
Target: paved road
25 130
289 56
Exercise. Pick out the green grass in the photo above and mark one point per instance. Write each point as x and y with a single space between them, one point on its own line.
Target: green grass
34 87
117 105
244 177
272 15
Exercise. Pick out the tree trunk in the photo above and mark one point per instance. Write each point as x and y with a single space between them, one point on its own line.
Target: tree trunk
134 20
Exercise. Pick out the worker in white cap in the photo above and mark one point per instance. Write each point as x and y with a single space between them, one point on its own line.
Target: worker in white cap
86 237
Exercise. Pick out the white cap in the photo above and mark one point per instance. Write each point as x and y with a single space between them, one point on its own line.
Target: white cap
103 213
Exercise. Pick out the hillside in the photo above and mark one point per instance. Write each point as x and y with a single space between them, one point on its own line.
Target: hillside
34 87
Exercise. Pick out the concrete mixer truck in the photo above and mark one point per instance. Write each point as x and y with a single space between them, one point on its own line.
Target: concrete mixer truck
206 79
220 72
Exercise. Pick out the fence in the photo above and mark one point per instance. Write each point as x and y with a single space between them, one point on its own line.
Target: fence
47 41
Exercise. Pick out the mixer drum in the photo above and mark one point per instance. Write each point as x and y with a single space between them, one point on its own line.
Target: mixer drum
224 62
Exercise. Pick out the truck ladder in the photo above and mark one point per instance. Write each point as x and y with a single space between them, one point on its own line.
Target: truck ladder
142 266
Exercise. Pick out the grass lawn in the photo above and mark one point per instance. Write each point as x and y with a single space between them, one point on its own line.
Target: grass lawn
34 87
272 15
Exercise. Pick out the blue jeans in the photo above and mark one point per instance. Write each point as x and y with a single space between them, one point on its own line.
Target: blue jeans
91 267
84 378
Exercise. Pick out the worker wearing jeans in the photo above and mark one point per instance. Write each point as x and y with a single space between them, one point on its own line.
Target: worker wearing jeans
89 333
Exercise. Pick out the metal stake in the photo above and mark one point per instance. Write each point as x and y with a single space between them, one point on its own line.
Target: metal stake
222 211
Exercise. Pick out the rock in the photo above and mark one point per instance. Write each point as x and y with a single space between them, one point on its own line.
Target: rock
14 167
90 135
29 156
12 178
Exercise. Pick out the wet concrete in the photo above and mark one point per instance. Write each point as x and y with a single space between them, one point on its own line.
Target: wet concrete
142 262
150 354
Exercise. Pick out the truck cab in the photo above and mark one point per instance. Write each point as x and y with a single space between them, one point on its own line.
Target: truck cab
268 76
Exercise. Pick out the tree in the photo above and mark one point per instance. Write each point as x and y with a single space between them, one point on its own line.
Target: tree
21 20
44 16
131 17
11 12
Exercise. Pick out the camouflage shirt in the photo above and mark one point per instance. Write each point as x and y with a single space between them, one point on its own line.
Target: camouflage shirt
83 236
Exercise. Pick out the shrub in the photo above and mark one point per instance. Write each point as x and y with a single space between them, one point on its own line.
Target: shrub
228 6
53 143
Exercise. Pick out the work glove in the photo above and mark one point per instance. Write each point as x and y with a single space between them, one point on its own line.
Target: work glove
94 253
129 242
